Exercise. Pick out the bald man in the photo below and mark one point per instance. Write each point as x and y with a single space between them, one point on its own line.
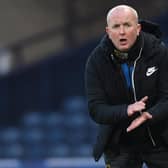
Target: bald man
127 91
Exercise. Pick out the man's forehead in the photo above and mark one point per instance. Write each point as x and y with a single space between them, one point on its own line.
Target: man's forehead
120 17
123 17
122 12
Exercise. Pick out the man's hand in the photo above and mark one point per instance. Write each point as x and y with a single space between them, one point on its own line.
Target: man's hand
139 120
137 106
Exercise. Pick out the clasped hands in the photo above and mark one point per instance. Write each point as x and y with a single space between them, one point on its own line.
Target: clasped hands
138 107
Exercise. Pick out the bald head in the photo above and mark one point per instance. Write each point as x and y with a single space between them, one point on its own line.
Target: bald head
122 9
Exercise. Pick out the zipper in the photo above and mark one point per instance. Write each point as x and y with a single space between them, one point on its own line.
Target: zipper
135 98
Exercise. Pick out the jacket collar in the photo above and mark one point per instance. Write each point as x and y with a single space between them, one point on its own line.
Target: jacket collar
109 48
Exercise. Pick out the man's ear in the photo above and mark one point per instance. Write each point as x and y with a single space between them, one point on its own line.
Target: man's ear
138 28
107 29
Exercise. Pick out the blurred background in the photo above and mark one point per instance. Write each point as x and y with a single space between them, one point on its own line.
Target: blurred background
44 121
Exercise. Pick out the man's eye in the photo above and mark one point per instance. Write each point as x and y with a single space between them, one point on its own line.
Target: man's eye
115 26
127 25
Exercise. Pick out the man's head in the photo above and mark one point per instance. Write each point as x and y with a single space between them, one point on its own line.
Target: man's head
123 27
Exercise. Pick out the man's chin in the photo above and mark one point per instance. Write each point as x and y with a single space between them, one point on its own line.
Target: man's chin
123 49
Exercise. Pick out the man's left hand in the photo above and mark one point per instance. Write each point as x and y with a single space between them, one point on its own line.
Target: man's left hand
139 120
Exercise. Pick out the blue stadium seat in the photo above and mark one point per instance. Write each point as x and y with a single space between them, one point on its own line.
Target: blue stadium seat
54 120
33 119
82 150
56 136
10 135
75 122
59 150
33 136
34 151
33 141
74 105
13 150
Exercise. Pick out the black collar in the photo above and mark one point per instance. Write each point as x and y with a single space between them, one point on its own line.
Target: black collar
122 57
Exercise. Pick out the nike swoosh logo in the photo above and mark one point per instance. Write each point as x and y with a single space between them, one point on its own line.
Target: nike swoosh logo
151 70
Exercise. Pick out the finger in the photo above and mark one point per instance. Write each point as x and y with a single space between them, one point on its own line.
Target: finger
144 99
147 115
135 123
136 107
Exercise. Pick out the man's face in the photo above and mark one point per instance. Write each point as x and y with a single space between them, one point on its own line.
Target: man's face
123 29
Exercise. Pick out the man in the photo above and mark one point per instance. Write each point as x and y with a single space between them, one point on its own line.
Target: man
127 91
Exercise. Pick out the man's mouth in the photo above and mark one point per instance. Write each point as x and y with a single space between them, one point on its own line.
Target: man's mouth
123 41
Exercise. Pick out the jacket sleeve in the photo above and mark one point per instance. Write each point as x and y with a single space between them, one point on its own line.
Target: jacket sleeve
100 110
160 110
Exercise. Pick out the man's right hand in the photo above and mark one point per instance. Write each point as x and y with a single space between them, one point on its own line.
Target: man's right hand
137 106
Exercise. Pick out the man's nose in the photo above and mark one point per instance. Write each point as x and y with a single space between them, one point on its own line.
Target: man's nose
122 30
